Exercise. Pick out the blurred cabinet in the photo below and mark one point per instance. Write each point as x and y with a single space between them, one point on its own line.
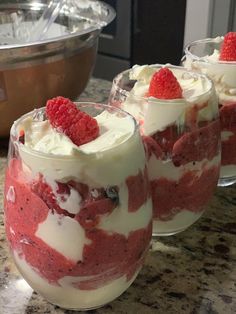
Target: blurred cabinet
144 32
223 17
209 18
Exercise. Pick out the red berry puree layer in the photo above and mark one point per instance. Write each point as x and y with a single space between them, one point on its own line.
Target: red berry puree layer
106 257
228 124
192 154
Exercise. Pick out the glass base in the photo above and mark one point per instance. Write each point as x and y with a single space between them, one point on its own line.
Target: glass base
79 309
180 222
166 234
226 181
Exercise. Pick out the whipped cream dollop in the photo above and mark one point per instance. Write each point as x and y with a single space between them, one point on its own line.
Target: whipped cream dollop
222 73
192 85
42 137
157 114
101 162
68 296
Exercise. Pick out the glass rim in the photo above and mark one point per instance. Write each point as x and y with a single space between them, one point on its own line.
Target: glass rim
205 41
13 131
118 77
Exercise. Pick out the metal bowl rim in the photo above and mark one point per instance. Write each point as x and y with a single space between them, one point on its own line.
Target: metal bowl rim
95 27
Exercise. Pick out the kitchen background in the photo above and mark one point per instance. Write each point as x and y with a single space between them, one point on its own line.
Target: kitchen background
156 31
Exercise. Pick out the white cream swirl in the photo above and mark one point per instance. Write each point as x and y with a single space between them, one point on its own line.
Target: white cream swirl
156 114
42 137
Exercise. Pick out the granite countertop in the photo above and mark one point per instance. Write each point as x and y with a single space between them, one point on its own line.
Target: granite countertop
192 272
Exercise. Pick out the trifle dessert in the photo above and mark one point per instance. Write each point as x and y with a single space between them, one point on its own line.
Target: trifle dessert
216 57
78 213
178 114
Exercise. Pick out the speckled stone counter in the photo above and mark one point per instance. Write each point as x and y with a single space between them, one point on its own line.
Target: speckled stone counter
193 272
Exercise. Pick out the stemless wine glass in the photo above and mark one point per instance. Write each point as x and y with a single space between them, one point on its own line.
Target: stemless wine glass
183 143
201 56
79 222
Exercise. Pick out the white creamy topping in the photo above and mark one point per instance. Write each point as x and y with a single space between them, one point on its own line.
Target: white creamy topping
41 137
63 234
157 114
192 85
141 73
108 160
68 296
113 130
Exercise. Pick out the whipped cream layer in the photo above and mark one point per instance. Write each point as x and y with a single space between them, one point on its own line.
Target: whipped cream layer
58 231
222 73
166 169
156 114
65 295
107 160
42 137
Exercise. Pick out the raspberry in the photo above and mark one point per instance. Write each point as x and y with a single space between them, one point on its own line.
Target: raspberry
228 47
66 118
164 85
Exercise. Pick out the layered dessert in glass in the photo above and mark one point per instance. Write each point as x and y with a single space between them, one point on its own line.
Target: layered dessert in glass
216 57
178 115
78 213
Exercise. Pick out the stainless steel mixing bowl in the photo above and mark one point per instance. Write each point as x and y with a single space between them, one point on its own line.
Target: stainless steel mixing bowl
61 64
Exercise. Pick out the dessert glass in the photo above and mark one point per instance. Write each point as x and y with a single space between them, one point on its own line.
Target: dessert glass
182 138
199 56
77 232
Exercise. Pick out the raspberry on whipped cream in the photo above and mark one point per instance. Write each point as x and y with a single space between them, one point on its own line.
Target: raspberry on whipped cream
65 117
77 231
219 62
164 85
228 47
180 127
